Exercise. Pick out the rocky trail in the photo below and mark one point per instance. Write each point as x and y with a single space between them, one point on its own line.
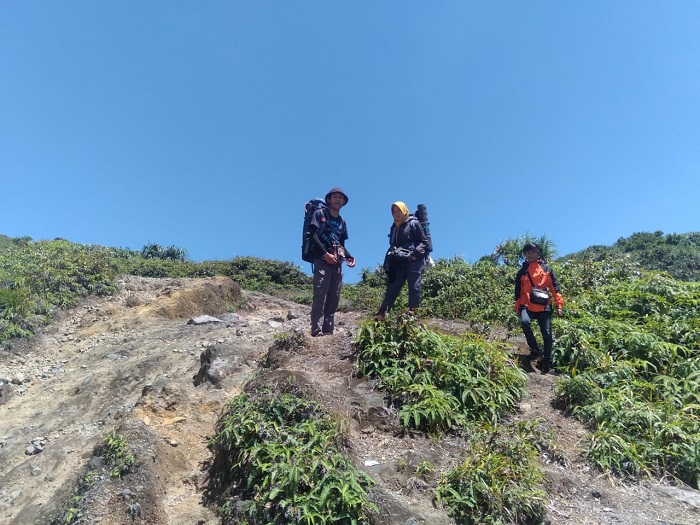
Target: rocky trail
149 363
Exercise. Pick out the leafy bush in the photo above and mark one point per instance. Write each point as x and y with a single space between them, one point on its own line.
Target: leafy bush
282 457
499 480
632 346
156 251
437 381
115 451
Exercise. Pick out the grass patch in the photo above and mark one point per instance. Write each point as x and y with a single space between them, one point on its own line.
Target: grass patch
283 462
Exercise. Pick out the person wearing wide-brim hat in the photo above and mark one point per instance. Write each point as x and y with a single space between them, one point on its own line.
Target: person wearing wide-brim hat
328 235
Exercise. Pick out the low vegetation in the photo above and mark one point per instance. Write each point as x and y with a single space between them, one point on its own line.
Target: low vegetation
463 385
438 382
39 278
632 349
282 460
112 458
676 253
499 478
628 346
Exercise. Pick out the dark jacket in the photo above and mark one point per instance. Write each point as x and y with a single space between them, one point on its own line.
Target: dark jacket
410 235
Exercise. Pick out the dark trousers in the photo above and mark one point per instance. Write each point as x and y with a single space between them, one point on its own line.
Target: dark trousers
411 273
327 283
544 319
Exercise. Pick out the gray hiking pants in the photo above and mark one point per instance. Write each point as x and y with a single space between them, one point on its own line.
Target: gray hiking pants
327 283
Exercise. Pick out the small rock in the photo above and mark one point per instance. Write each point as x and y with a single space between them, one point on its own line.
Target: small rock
203 319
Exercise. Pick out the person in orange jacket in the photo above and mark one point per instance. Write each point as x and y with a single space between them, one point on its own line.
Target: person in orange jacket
535 288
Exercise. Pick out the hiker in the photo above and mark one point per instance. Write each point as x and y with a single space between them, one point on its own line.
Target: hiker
328 234
535 287
405 259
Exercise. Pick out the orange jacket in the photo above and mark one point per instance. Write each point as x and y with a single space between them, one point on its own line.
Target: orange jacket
542 277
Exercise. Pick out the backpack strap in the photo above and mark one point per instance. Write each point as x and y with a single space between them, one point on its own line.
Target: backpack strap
545 269
530 277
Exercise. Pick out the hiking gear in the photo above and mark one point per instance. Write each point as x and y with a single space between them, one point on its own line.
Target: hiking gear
537 295
336 190
531 246
404 213
422 216
536 275
409 234
399 256
309 250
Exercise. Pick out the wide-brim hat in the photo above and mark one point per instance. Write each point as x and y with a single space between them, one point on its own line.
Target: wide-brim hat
336 190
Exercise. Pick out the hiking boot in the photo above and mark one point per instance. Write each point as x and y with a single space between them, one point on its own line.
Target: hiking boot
549 370
525 362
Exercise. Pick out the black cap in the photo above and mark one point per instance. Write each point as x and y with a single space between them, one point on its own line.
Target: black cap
336 190
531 246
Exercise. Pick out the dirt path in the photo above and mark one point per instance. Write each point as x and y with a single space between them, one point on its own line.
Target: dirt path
128 362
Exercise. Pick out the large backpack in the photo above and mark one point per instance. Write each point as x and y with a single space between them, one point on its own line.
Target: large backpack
308 249
422 216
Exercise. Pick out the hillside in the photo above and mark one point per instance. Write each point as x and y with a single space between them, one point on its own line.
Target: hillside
133 363
675 253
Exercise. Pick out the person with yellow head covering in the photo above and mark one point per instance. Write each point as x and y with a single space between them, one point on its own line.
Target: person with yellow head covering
405 259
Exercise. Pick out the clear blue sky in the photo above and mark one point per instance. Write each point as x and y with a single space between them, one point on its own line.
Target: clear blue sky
208 124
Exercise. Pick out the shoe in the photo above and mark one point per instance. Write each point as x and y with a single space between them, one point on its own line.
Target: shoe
526 363
548 371
379 317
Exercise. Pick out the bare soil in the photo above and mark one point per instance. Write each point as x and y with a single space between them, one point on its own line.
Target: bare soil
129 363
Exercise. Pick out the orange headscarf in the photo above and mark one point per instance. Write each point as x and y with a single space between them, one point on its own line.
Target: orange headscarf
404 212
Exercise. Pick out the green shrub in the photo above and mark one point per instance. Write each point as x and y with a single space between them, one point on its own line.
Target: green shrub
437 381
282 454
632 349
499 480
